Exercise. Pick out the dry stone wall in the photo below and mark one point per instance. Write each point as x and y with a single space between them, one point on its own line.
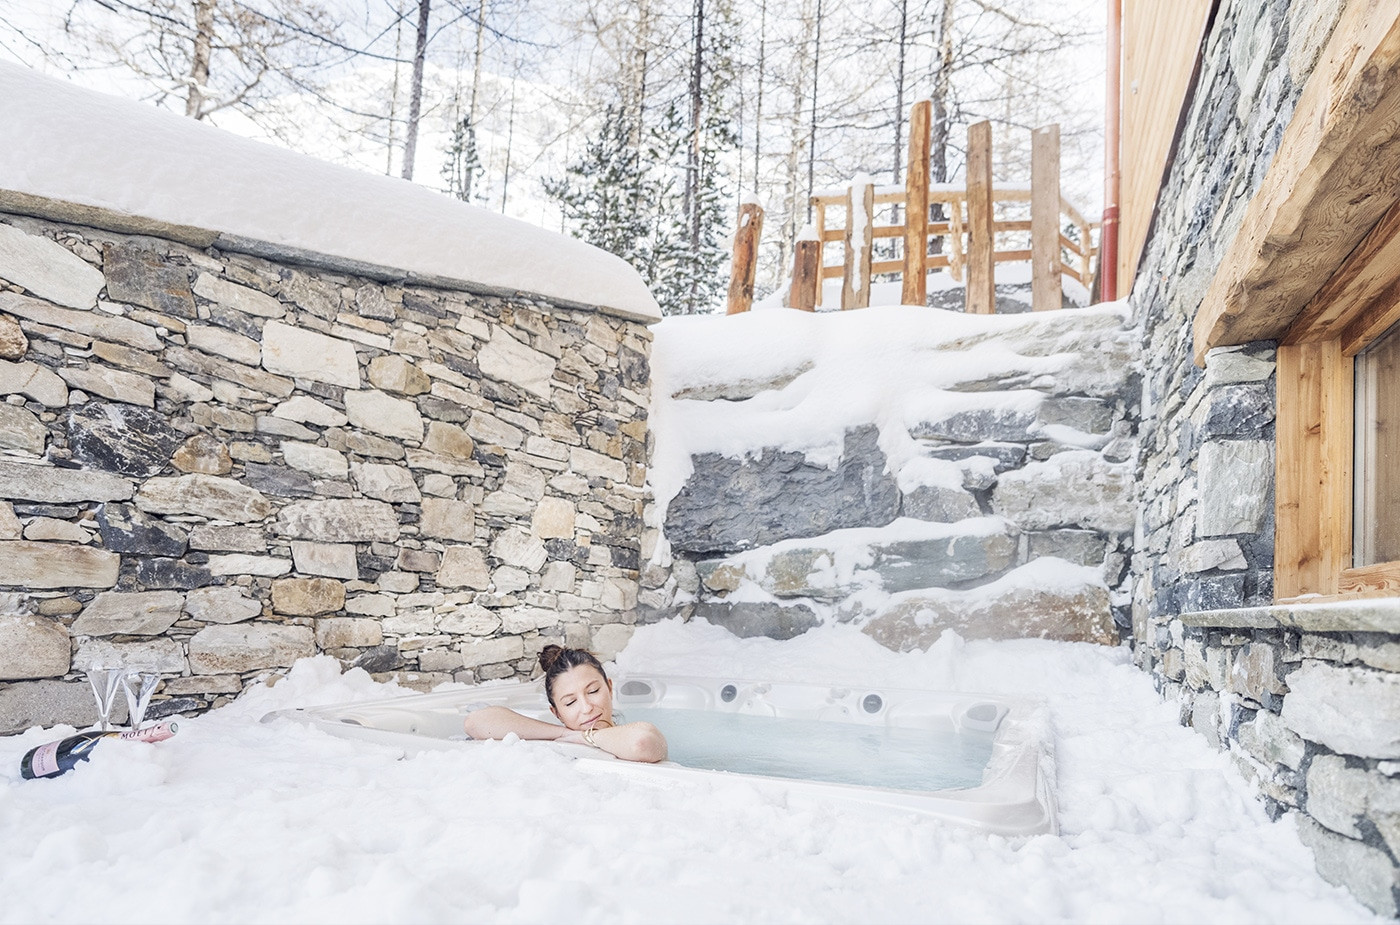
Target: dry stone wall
212 464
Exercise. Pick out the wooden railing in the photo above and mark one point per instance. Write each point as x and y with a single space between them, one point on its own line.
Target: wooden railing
975 215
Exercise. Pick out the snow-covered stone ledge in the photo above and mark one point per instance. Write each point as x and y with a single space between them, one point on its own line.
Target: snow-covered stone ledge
908 469
214 463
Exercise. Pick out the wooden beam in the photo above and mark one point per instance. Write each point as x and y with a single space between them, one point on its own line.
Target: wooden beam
1365 279
860 214
914 290
1046 293
1312 485
981 275
1336 171
806 273
741 271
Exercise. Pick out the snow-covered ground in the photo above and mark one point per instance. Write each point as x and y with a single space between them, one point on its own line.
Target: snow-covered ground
235 821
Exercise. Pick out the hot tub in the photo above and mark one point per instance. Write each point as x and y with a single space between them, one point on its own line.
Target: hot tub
981 761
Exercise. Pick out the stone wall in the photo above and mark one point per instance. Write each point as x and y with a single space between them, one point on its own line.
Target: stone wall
1298 697
214 464
1014 519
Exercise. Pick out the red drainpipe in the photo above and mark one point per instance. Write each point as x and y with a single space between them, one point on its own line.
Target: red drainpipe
1108 233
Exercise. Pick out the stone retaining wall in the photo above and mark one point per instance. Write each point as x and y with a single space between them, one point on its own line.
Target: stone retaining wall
1300 701
1018 521
214 464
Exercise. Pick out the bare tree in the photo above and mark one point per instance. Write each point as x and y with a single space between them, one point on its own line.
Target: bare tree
209 54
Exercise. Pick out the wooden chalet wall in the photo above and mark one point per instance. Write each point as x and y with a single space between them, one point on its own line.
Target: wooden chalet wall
1269 260
1161 42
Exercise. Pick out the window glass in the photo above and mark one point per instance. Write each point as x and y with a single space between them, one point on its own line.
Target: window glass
1376 466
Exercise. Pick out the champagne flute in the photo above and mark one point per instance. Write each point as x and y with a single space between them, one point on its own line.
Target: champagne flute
139 685
105 682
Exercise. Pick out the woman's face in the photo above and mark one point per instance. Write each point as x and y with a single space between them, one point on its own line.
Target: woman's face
582 697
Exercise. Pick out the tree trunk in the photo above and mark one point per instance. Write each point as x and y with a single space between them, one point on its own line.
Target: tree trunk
510 144
812 132
758 111
940 128
394 89
899 91
199 64
415 100
942 88
692 170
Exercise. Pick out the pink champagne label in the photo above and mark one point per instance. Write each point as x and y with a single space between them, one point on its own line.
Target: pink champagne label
45 760
157 733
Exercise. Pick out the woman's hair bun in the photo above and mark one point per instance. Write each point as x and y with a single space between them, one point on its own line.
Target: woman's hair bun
549 655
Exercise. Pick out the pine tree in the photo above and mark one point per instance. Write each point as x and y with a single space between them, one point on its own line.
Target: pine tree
463 165
694 279
611 198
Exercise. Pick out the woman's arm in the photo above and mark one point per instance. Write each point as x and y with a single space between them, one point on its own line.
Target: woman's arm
630 741
498 722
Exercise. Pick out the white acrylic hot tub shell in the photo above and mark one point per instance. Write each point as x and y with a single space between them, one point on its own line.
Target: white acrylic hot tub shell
1016 796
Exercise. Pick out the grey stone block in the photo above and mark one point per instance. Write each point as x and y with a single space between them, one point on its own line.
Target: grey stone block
1236 412
940 504
1236 479
729 505
1087 415
1082 547
1004 455
1367 872
978 425
944 562
1355 711
125 529
46 703
746 618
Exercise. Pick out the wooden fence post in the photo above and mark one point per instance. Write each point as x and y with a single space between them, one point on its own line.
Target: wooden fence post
860 219
741 271
1045 218
981 268
819 212
806 270
914 290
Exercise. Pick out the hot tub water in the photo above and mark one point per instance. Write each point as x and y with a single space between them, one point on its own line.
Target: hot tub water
837 753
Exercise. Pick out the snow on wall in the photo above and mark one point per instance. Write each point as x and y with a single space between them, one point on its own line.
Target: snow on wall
74 145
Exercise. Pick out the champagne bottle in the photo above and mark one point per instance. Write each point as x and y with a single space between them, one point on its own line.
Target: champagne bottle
54 758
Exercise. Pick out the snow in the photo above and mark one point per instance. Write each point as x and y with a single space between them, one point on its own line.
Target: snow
233 820
70 144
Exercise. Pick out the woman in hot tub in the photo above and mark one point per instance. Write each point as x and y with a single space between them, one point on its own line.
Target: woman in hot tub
580 695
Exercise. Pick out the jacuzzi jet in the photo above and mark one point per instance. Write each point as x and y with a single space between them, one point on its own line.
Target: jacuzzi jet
728 693
873 703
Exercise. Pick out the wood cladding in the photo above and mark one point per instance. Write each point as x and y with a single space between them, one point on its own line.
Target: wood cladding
1160 45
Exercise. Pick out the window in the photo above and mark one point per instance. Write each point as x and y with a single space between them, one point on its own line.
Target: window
1376 459
1337 490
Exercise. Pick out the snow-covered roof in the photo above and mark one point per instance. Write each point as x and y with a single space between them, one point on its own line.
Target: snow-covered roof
67 144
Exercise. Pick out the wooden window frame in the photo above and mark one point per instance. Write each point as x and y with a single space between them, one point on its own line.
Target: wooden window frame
1315 427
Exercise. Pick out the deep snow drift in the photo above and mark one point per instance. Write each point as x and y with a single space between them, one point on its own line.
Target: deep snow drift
235 821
